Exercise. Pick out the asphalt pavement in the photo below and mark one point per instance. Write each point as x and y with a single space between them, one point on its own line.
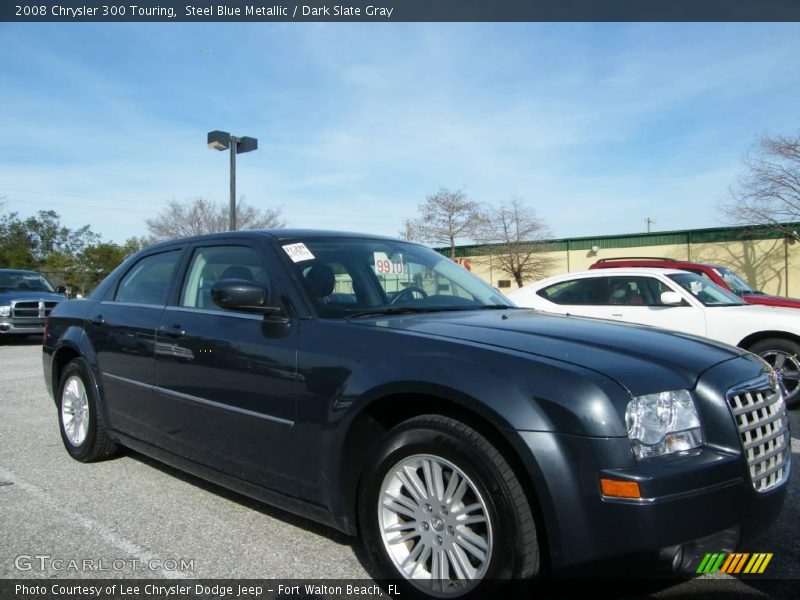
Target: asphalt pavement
133 517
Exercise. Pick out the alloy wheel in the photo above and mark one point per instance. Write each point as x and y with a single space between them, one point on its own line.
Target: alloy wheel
75 410
435 525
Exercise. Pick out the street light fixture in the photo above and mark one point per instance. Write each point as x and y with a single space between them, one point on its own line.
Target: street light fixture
222 140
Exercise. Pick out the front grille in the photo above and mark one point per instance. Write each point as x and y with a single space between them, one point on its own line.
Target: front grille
32 308
760 414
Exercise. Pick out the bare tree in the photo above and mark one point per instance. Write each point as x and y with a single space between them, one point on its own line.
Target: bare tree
444 217
199 216
769 193
408 232
518 237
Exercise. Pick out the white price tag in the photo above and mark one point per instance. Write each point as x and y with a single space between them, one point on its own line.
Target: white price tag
298 252
388 266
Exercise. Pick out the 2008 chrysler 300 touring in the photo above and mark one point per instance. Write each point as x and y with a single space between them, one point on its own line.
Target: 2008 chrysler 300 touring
378 387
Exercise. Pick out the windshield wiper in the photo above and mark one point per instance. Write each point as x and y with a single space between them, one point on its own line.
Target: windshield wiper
399 310
494 307
393 310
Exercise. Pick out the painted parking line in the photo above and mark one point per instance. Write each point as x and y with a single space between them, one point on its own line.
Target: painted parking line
96 528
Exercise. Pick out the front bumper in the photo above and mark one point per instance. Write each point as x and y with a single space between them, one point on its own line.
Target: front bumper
689 503
10 326
697 496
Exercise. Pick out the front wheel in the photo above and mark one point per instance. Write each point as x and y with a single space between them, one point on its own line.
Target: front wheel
784 356
441 509
81 423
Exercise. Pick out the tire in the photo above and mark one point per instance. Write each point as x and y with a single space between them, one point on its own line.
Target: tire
440 521
784 356
83 430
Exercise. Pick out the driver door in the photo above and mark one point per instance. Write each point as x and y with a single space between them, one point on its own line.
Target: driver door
637 299
226 380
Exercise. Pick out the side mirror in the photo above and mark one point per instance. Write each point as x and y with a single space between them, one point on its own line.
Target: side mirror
238 294
61 289
671 299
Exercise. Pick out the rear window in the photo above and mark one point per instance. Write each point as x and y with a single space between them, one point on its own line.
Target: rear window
147 281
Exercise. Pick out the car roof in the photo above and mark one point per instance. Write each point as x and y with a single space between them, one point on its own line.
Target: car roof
279 234
654 259
19 271
608 273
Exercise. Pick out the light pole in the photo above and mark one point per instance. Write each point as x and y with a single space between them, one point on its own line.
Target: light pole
222 140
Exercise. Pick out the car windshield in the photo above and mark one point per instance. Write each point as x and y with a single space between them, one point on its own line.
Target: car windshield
736 283
706 291
24 282
363 277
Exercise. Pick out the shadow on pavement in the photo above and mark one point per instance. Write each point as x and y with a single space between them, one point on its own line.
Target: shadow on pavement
20 340
265 509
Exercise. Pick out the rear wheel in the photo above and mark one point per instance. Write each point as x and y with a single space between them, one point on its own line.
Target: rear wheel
784 356
82 427
441 509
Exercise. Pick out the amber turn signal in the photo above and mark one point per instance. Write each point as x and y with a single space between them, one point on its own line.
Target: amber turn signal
620 489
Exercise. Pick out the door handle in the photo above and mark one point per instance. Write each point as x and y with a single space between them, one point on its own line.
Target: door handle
175 331
97 320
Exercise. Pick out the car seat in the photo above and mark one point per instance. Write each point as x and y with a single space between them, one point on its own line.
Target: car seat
620 294
237 272
321 281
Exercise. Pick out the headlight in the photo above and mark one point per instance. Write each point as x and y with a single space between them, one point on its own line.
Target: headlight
5 311
663 423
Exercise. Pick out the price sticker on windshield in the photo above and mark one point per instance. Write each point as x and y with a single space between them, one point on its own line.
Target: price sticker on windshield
298 252
388 266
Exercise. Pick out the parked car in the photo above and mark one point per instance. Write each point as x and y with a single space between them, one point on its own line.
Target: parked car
681 301
377 387
722 276
26 299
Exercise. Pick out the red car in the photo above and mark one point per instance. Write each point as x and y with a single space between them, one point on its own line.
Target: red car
722 276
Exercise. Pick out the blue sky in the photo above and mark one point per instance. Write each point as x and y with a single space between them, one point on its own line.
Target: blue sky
597 126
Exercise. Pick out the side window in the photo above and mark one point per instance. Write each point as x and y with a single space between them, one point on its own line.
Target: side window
148 279
213 263
575 291
702 274
634 291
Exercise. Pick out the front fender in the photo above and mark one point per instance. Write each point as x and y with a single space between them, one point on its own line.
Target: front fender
512 391
507 390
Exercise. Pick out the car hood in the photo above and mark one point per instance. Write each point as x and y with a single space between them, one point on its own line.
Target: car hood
757 316
7 297
771 300
641 359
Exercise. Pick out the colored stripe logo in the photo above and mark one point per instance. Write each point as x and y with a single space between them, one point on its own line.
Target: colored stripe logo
737 562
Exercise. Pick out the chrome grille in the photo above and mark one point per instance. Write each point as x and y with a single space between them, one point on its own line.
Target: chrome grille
32 308
760 414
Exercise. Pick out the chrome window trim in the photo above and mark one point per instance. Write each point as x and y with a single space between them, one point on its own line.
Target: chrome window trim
217 313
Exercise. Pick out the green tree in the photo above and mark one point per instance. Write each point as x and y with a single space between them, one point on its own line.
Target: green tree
16 250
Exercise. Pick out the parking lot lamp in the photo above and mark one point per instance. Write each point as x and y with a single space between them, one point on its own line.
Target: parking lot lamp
222 140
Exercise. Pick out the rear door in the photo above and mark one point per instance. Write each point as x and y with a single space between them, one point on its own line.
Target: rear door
225 380
122 330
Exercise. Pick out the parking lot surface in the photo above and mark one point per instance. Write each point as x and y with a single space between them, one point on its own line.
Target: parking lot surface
138 518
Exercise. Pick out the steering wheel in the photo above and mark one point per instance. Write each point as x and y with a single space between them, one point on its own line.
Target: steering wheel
408 292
